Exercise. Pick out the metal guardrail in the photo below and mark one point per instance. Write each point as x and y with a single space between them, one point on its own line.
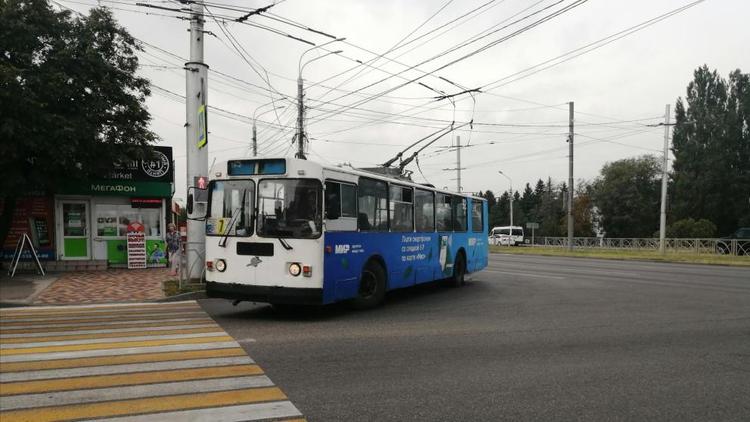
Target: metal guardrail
701 246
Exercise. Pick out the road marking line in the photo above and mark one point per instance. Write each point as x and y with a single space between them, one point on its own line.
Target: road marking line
115 352
160 336
106 318
145 405
102 325
128 323
121 359
123 369
75 335
247 412
96 312
135 378
4 311
524 274
60 398
115 345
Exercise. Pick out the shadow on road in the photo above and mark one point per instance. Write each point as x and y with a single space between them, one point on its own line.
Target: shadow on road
428 294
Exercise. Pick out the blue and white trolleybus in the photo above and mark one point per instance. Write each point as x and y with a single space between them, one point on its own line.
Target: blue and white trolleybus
291 231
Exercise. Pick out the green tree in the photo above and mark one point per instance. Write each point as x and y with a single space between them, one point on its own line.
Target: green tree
627 194
690 228
71 102
711 145
551 210
583 212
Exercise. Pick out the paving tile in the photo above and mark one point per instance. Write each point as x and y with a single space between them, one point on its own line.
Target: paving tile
115 285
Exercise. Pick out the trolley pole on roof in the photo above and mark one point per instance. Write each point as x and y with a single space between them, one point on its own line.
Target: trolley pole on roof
196 138
570 176
458 162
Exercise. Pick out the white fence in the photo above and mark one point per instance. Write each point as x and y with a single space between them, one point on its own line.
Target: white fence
707 246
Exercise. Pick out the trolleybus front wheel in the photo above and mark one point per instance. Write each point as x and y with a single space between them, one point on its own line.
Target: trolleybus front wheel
371 286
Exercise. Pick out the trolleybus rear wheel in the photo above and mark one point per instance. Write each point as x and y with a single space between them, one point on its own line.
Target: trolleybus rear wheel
459 271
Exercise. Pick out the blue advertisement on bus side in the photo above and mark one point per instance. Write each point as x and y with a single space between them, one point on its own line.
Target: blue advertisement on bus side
410 258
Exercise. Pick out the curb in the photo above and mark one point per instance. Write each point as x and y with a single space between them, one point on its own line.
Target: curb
200 294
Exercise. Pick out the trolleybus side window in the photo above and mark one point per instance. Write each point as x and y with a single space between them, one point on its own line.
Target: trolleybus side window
443 216
231 208
373 205
401 209
424 204
459 214
341 200
477 217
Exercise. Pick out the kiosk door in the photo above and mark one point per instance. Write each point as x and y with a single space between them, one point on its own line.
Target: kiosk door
75 225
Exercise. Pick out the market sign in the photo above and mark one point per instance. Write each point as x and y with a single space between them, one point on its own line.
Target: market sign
119 188
157 168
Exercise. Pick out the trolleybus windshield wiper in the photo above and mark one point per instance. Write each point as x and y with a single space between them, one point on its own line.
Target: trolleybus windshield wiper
237 215
285 244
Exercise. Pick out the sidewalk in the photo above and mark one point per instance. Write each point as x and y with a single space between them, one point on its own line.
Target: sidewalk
116 285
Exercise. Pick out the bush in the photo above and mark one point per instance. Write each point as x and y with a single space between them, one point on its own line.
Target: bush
689 228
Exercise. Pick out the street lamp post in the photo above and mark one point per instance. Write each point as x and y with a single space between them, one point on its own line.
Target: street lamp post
664 174
300 95
255 137
511 199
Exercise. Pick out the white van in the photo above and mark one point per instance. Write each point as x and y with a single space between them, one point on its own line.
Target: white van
506 236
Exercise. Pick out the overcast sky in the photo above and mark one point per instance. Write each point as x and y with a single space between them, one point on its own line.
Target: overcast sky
521 124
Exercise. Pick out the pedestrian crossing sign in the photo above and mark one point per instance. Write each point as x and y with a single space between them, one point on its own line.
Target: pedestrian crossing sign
202 127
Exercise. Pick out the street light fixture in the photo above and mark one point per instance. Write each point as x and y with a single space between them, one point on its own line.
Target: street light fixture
300 105
511 198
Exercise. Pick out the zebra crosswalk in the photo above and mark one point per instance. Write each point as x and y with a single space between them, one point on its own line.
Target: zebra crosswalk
134 362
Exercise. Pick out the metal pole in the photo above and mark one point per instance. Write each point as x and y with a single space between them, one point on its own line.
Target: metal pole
511 207
300 128
197 158
664 169
458 162
570 177
255 141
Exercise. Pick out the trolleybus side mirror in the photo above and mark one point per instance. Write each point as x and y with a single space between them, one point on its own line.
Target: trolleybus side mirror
194 196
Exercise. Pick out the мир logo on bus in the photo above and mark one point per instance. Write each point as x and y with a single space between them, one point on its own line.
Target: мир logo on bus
341 249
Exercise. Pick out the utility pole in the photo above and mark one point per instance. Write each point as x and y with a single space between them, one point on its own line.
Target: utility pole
196 138
664 169
300 119
570 175
458 162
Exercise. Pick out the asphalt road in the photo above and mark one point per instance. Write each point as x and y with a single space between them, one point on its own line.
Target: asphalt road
529 338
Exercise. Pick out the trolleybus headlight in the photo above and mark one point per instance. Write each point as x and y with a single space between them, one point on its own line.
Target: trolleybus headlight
295 269
221 265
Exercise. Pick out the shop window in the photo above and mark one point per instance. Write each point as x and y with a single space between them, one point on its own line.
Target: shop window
424 204
106 220
113 220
